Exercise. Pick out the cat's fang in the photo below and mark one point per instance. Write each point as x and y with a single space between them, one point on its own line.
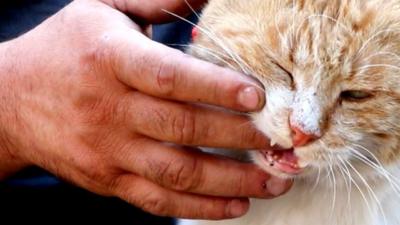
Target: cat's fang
273 143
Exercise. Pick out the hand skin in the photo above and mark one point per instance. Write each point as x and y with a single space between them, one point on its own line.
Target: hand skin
88 97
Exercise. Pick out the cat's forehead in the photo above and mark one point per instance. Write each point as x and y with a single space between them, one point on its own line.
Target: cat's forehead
317 38
357 44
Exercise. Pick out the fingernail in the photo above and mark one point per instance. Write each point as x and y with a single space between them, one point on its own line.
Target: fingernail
249 98
277 186
237 208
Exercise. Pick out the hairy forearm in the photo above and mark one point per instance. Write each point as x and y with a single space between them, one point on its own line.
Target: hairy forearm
9 163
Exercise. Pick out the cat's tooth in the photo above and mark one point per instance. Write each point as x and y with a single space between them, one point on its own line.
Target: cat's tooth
270 153
272 143
276 157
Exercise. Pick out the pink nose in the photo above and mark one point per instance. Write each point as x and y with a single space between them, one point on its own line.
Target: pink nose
300 138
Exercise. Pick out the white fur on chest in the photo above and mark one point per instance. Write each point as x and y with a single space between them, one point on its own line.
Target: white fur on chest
305 206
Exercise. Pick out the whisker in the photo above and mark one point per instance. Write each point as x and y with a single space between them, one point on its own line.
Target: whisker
198 17
317 180
192 9
393 182
347 184
334 186
370 191
364 46
380 165
333 179
382 53
343 161
197 46
245 124
213 37
377 66
369 152
212 53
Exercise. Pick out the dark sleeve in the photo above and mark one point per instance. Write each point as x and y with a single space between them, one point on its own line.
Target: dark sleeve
19 16
175 35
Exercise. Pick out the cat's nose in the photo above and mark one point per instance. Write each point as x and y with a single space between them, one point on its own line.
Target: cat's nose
301 138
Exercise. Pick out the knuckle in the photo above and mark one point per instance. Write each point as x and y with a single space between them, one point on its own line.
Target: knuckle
115 184
161 118
93 166
96 108
181 176
156 204
105 52
238 184
121 109
161 115
102 112
184 126
96 171
167 75
93 174
102 53
189 176
94 55
166 78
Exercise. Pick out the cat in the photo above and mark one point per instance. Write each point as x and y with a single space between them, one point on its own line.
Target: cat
332 84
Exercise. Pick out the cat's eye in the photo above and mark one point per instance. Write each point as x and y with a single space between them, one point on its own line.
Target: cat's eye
355 95
285 70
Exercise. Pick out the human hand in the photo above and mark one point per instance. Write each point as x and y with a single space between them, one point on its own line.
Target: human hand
87 96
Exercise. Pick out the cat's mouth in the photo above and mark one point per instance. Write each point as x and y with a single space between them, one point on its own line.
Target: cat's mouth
284 161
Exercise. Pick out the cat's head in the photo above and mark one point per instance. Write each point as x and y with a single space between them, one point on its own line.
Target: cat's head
331 77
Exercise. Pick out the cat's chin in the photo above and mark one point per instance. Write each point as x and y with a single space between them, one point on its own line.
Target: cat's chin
281 163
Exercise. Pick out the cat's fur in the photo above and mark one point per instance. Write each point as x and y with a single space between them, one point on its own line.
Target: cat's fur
331 68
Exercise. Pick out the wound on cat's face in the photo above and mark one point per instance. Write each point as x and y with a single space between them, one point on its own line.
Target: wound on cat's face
330 75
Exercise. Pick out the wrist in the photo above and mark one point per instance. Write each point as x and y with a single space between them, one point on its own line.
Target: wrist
10 163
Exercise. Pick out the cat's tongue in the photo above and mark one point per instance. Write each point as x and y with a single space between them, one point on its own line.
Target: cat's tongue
283 160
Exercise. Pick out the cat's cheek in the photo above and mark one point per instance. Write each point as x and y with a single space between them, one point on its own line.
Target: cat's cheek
275 127
273 119
308 157
386 149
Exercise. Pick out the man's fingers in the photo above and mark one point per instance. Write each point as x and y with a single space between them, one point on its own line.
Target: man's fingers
195 172
190 125
157 200
163 72
155 11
